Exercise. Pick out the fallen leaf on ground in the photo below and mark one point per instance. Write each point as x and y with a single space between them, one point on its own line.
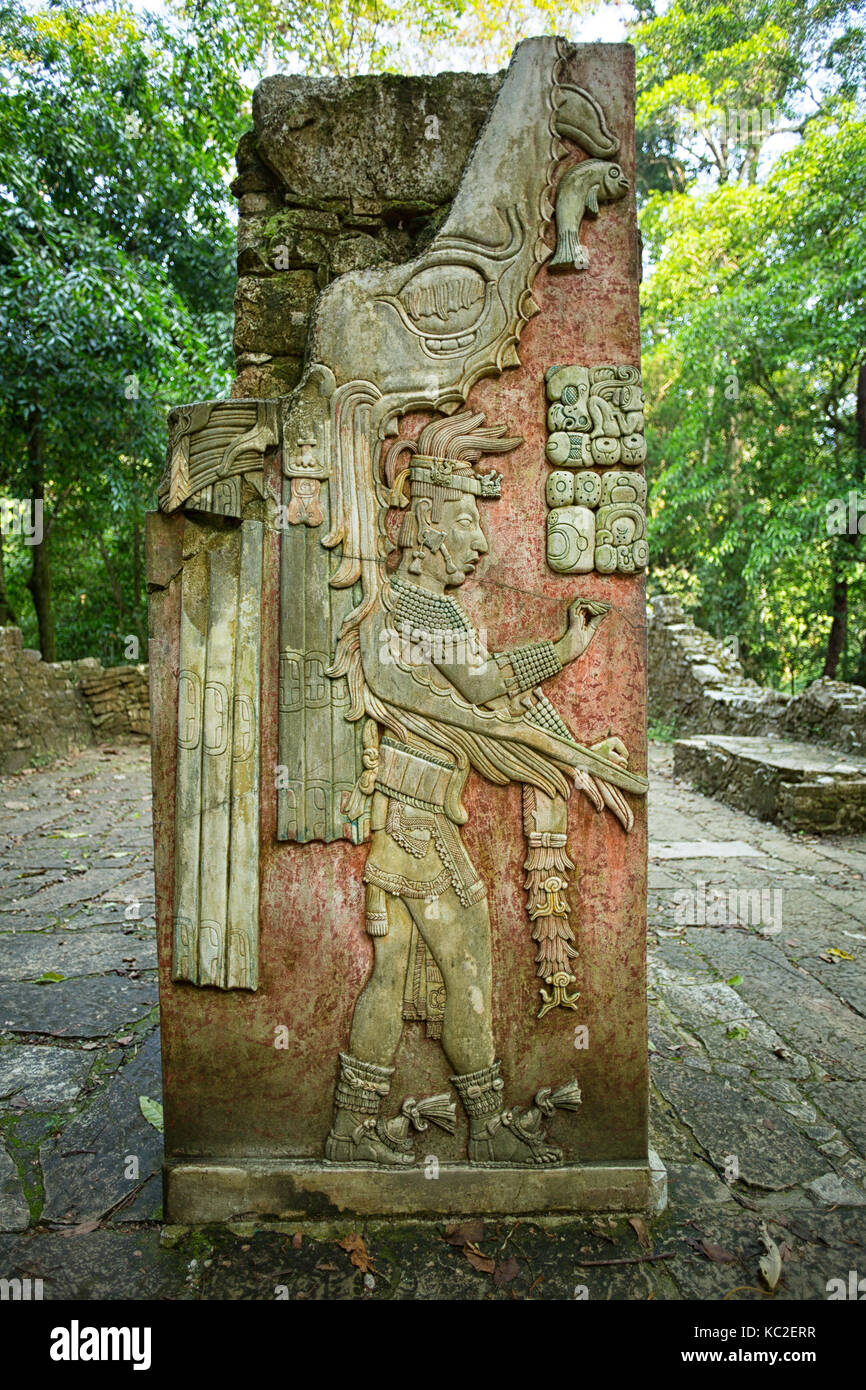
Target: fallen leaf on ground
466 1233
485 1264
84 1229
297 1240
504 1273
152 1112
840 955
357 1251
717 1254
638 1225
770 1264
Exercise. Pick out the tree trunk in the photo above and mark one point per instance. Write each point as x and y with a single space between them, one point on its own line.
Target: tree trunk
7 615
39 582
113 581
838 627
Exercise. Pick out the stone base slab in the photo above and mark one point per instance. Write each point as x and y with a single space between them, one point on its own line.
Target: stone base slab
201 1192
797 785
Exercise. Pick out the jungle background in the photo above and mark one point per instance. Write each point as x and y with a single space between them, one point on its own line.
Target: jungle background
118 126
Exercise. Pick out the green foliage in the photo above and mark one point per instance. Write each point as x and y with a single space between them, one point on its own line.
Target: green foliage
754 319
115 288
662 730
716 81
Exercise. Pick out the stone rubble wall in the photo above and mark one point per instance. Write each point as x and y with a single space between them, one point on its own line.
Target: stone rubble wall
119 702
374 144
49 709
697 685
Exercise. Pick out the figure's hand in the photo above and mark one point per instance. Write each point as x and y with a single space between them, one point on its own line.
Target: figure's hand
613 749
584 618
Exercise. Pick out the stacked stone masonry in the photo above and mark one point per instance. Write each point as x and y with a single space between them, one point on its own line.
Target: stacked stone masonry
698 685
388 191
50 709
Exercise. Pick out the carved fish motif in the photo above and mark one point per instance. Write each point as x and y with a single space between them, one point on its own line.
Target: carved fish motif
585 186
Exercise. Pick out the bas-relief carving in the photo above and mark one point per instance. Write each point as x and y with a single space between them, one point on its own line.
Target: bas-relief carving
388 695
435 704
216 448
216 879
211 446
597 521
592 182
596 417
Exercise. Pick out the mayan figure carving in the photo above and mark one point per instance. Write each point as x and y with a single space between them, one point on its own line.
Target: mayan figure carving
438 704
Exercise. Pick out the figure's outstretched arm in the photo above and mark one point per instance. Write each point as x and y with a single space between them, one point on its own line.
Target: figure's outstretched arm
585 616
511 675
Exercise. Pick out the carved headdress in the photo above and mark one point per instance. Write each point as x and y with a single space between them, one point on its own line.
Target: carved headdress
442 458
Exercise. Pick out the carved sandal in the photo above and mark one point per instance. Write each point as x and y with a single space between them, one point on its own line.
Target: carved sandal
508 1139
369 1142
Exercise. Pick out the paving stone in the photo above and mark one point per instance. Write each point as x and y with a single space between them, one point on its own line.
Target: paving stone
14 1211
835 1148
84 1169
94 952
836 1191
810 1019
680 962
779 1090
101 1265
808 909
13 922
695 1185
731 1030
44 1077
822 1134
804 1114
668 1136
726 1119
77 889
84 1008
851 901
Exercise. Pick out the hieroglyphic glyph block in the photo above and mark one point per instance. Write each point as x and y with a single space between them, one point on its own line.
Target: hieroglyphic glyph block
620 537
216 835
595 421
595 417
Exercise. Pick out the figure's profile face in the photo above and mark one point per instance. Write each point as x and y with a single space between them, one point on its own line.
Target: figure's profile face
463 536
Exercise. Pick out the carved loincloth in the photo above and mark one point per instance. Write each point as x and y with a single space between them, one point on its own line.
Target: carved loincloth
416 854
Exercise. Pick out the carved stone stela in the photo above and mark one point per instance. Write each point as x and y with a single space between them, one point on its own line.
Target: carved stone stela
388 696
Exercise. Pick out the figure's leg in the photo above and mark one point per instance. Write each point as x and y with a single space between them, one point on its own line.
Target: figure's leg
459 940
378 1018
357 1135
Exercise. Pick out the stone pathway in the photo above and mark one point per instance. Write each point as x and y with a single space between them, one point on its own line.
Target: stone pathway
758 1035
